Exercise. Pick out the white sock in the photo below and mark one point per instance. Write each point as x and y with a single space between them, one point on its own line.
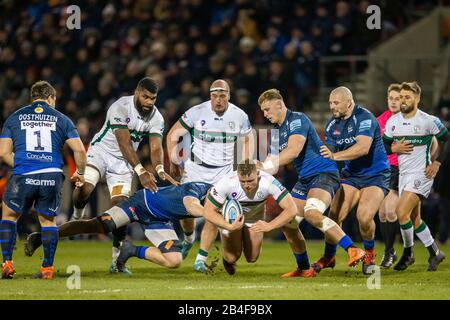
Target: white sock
78 213
407 232
190 238
424 234
115 254
201 257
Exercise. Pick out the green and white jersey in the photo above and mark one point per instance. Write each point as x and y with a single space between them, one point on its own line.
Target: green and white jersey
214 136
229 187
418 130
123 115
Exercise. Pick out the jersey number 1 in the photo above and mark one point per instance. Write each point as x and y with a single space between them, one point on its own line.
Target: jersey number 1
39 140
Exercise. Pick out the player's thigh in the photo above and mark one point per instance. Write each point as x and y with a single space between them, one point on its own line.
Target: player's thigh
343 202
252 243
50 194
20 194
369 203
406 204
119 180
163 236
231 245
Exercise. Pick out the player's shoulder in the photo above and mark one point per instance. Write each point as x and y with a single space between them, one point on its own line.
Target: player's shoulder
157 116
124 102
237 111
362 112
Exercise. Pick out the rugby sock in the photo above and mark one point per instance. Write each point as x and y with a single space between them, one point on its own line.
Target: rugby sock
140 252
388 231
115 254
424 234
202 255
7 238
119 235
302 260
407 232
330 249
49 236
189 237
369 244
345 243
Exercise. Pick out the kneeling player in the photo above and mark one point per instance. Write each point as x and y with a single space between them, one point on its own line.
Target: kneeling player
157 211
251 188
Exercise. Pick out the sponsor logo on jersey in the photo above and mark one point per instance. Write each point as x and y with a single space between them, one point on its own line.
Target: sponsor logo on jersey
127 120
438 124
232 125
366 124
37 182
40 157
234 194
260 195
277 184
203 122
416 129
336 132
350 129
38 110
133 213
393 128
295 125
350 140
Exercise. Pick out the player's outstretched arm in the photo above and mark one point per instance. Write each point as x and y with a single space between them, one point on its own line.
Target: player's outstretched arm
211 214
79 154
289 154
359 149
6 151
147 179
156 156
289 212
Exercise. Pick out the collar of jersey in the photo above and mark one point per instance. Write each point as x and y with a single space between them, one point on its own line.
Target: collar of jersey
288 113
41 104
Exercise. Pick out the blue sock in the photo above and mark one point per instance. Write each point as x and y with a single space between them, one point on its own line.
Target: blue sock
345 242
140 252
49 236
302 260
7 238
369 244
330 249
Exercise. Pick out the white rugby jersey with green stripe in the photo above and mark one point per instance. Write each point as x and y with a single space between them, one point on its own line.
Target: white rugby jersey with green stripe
418 130
123 114
229 187
214 136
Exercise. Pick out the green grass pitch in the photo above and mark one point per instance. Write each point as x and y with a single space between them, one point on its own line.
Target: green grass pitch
260 280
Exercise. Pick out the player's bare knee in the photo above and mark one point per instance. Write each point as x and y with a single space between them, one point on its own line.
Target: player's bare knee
231 257
173 261
252 259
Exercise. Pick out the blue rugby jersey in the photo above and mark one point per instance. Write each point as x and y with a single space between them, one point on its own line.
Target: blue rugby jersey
38 132
342 133
167 203
309 161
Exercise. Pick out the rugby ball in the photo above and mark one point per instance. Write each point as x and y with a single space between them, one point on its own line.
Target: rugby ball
231 210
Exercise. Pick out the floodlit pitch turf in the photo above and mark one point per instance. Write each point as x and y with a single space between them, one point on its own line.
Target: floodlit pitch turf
260 280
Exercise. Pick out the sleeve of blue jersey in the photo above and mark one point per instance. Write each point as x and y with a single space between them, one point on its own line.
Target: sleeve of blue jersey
298 126
71 130
366 126
329 139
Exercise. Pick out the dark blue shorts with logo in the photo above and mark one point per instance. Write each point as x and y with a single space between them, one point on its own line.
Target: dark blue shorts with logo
381 179
43 190
328 181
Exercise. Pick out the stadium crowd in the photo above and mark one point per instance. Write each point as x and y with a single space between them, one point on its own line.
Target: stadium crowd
184 45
